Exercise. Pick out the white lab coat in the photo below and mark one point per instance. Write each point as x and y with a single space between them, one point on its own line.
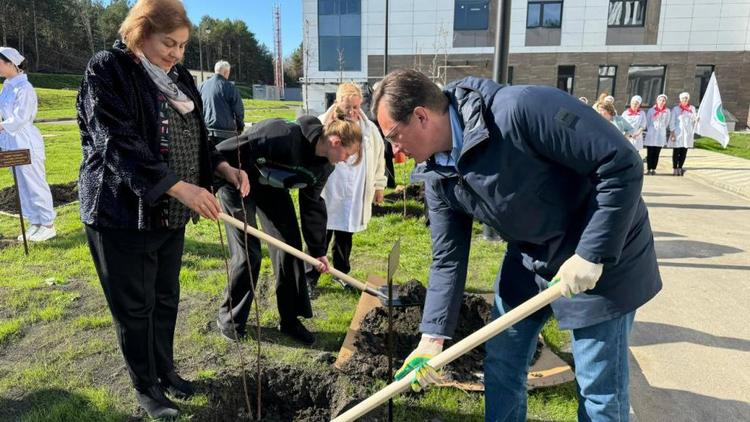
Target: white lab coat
18 107
637 122
656 134
683 127
350 190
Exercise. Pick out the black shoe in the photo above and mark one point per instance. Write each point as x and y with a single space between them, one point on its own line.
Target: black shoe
175 386
297 331
230 334
156 404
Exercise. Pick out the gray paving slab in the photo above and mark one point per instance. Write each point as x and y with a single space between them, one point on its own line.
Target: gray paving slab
690 346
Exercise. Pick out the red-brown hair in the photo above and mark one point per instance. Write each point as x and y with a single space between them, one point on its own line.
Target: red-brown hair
148 17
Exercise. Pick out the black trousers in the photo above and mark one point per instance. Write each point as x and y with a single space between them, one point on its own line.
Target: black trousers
342 250
139 272
652 157
390 172
678 157
275 209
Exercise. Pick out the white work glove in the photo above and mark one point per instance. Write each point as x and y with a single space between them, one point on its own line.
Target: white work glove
426 375
577 275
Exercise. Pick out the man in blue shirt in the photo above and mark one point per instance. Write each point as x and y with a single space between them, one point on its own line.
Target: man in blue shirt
563 187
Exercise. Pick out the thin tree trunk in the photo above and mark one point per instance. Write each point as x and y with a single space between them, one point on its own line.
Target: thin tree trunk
36 37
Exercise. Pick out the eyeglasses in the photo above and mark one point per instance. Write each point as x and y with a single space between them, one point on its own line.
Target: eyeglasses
390 136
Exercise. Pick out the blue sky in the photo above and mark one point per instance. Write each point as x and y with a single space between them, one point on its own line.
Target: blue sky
258 15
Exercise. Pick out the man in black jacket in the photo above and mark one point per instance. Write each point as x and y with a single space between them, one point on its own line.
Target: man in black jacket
223 111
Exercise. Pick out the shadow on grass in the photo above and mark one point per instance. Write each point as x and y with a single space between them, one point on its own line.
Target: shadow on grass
54 404
325 341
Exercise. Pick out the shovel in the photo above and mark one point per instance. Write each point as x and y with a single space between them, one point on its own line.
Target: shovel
380 294
452 353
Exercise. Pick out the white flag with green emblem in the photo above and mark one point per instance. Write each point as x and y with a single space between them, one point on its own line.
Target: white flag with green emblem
712 122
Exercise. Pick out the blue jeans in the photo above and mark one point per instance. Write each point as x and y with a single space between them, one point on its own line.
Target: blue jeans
601 359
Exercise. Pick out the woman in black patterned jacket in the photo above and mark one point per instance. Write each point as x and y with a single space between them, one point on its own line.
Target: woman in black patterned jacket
145 173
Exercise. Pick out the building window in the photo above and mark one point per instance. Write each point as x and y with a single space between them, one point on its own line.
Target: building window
646 81
544 14
702 76
339 35
607 77
471 15
565 77
624 13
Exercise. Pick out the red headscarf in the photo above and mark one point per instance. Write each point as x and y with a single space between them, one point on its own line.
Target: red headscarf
687 108
658 110
632 112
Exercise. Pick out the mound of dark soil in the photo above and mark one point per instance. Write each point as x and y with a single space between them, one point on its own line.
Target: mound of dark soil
287 394
372 352
62 194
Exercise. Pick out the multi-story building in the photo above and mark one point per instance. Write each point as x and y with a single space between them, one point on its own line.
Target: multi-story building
623 47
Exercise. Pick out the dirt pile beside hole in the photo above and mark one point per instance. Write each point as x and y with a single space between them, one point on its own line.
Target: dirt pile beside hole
371 342
288 394
62 194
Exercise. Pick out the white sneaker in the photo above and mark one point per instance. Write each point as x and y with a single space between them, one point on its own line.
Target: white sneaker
31 230
43 233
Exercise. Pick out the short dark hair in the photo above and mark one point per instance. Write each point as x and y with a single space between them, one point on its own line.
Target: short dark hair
21 67
406 90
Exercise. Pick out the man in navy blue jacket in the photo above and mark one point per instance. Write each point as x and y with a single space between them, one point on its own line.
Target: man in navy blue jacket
563 187
223 111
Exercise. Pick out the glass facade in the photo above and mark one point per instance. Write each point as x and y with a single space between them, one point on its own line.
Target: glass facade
339 35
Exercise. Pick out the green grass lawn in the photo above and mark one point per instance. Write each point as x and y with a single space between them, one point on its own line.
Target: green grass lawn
739 145
57 100
63 152
58 353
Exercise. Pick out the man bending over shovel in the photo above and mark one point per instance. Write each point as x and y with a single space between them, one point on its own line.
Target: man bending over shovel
563 187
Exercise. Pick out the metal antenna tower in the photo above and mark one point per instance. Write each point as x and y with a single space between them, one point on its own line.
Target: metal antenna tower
278 65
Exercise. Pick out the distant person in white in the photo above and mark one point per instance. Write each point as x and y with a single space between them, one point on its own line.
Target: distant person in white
18 107
637 119
658 118
684 119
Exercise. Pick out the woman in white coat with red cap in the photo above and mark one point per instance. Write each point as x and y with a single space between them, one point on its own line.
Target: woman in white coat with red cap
18 108
658 118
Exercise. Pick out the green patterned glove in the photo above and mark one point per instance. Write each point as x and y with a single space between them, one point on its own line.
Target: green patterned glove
425 374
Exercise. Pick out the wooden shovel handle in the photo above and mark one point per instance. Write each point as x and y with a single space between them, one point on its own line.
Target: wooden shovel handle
296 252
452 353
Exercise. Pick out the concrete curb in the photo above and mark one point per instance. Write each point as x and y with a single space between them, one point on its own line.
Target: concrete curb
718 183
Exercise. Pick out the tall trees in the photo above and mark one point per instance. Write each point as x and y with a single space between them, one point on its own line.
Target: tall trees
61 36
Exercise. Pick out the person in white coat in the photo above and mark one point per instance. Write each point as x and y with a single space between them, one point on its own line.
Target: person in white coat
682 126
637 119
18 108
658 120
352 188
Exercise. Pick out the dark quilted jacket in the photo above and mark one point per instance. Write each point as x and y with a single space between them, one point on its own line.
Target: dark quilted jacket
122 175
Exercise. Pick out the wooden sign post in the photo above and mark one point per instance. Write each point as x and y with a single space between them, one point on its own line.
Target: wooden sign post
19 157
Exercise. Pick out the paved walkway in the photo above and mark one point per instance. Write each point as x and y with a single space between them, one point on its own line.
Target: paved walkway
690 351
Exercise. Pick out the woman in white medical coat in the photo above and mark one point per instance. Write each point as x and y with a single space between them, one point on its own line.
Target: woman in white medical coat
18 107
637 119
658 118
684 119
